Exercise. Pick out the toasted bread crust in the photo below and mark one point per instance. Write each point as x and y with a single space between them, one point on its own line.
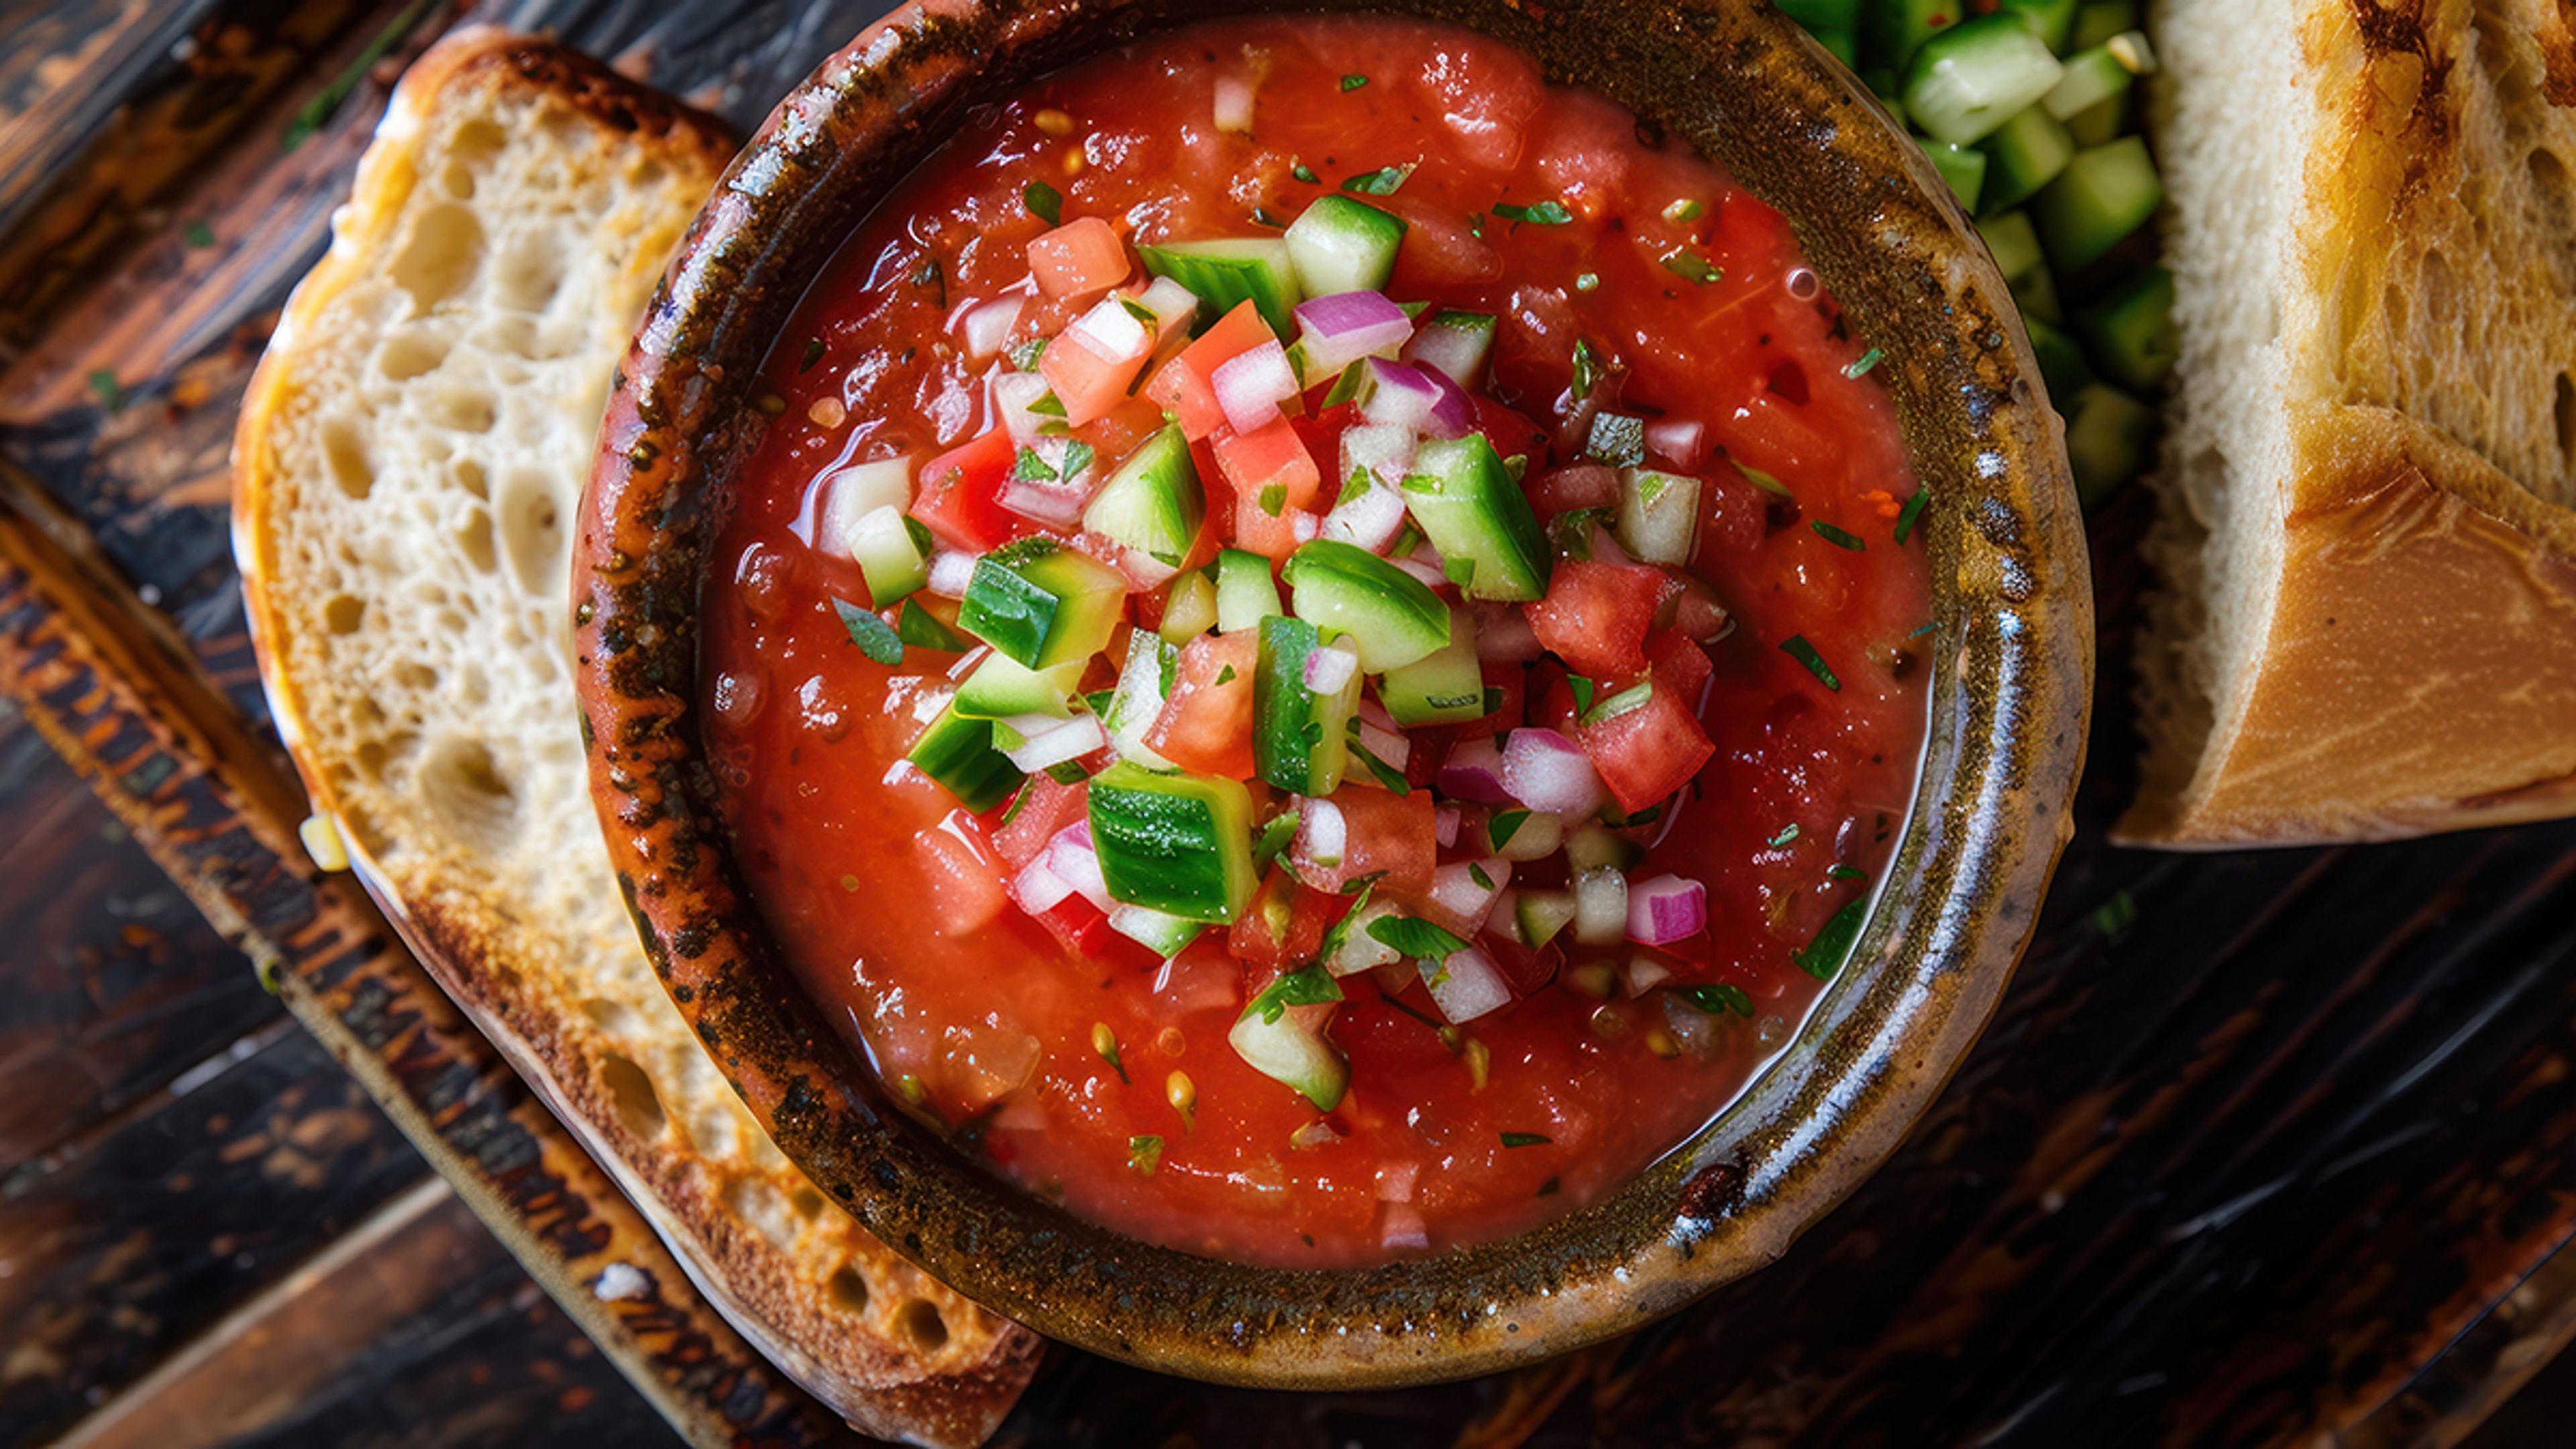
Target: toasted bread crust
462 795
2406 660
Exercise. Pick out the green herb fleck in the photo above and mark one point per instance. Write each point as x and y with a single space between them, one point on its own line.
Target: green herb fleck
2116 914
1685 210
1784 837
1833 944
1385 181
1583 689
1416 938
1387 775
1525 1139
1030 468
1048 405
1692 267
1587 369
1275 838
1835 536
1351 83
1912 511
198 234
1587 281
1505 825
1847 872
1717 997
874 638
1068 772
1077 457
1024 357
921 629
1274 499
1764 481
1797 647
1634 697
1144 1154
813 354
1309 986
934 276
1866 361
111 395
1266 217
1225 675
1046 201
1546 213
1305 173
1477 874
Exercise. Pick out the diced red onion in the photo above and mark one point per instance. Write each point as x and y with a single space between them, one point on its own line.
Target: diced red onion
1444 825
1250 386
1452 417
1678 443
1398 395
950 571
1234 105
1666 909
1048 741
1112 332
1057 501
1503 634
985 327
1071 856
1013 393
1474 772
1322 834
1369 518
1037 889
1643 975
1546 771
1431 574
1328 669
1172 304
1453 352
1395 1180
1467 985
1339 330
1404 1229
1391 748
1457 894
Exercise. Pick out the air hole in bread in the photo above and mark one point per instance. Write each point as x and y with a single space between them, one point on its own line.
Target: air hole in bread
475 143
474 535
443 254
2548 173
469 476
764 1207
344 448
613 1018
2393 300
531 271
920 1322
631 1093
458 179
466 410
532 534
807 1202
345 612
848 1290
649 175
465 788
406 356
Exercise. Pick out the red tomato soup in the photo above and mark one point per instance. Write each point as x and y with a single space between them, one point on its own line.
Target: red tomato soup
1326 644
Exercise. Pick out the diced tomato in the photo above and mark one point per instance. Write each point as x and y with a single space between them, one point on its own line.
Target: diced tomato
1511 434
1511 683
1577 485
959 498
1093 363
1185 386
1648 752
1269 466
1078 257
1551 698
1082 927
1206 723
1677 664
1283 927
1596 615
1044 809
1393 837
1441 249
1526 969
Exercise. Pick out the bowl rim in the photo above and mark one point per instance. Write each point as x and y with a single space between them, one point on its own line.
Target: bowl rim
2011 689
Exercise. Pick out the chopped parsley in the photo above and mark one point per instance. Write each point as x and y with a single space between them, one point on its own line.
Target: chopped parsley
1833 943
1309 986
1691 267
1305 173
1797 647
1275 837
1048 405
813 354
1024 357
1505 825
1274 499
1835 536
1716 997
1866 361
1587 368
1416 938
1387 775
873 636
1144 1154
1030 468
1769 484
1225 675
1385 181
1545 213
1783 838
1583 689
1847 872
1684 210
1351 83
1045 201
1526 1139
922 629
1477 874
1913 511
1077 457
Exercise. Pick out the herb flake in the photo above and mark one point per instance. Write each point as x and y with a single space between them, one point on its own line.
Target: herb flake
922 629
1833 943
1045 202
1835 536
1351 83
1691 267
1860 367
1309 986
1385 181
1305 173
1545 213
198 234
1505 825
1797 647
1716 997
874 637
1416 938
1784 837
1144 1154
1912 512
1526 1139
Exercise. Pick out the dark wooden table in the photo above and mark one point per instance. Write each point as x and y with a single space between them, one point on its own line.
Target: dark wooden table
2260 1149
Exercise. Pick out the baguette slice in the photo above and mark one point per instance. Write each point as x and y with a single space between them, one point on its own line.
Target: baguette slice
411 448
2370 630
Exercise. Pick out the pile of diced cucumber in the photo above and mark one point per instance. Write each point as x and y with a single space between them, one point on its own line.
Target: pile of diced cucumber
2029 109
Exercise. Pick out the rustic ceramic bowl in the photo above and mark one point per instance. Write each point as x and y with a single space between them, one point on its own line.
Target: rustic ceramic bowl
2006 740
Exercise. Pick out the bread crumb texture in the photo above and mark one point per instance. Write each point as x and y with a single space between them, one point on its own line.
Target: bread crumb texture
2369 625
410 461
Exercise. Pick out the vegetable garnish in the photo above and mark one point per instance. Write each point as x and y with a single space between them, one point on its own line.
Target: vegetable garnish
1797 647
1526 1139
1835 536
1310 986
1834 940
1045 201
1847 872
1690 266
1860 367
874 638
1765 481
1415 938
1545 213
1784 837
1145 1153
1583 689
1913 510
1385 181
1587 369
921 629
1505 825
1353 82
1274 839
1305 173
1684 210
1715 997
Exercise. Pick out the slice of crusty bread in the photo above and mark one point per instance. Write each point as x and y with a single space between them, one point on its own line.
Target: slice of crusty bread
2370 628
409 452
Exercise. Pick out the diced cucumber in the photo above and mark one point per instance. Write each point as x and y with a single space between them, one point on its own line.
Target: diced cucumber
1153 503
1458 343
1445 686
2100 124
1541 914
1472 509
2096 21
1165 936
1389 614
1001 687
1589 847
2092 77
1973 77
1293 1054
2130 331
1341 245
1144 681
2050 20
1299 733
1658 515
1963 167
1180 844
2106 193
2027 153
1189 610
957 751
854 492
2015 243
2106 436
1224 273
1349 949
888 556
1042 603
1246 594
1891 31
2061 361
2036 294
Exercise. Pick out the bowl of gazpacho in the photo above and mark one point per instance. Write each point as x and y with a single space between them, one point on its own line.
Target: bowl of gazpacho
1333 697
